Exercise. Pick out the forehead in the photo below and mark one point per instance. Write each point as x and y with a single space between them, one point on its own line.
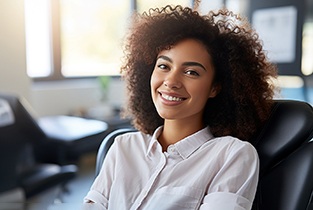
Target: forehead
188 50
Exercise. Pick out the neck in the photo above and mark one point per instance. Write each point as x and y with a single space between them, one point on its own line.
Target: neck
174 131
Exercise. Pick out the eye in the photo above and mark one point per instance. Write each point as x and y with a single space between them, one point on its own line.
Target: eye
192 73
162 66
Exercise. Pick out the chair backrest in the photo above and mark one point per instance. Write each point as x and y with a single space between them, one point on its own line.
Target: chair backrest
286 157
106 144
17 131
285 152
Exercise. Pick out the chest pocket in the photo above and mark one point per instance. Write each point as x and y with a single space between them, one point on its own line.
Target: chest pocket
173 198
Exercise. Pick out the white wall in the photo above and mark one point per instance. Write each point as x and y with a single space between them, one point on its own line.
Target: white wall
49 98
13 76
75 96
55 98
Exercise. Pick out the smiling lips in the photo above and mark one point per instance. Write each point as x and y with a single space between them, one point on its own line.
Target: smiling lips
171 98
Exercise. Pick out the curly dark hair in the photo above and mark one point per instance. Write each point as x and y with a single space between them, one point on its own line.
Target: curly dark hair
241 68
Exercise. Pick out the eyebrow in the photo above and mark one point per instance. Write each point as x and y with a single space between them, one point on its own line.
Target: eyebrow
188 63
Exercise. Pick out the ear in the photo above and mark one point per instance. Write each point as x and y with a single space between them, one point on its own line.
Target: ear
216 88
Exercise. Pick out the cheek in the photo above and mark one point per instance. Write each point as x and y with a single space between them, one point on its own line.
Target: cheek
201 92
155 81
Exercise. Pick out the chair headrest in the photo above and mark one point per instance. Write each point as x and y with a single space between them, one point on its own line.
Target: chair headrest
288 127
23 122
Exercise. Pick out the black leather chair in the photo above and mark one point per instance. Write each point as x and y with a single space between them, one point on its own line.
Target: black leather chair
63 139
21 174
286 157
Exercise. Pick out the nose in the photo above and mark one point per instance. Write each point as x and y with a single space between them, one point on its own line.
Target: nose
172 80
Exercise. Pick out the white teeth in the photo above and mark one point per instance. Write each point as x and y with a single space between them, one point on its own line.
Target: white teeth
171 98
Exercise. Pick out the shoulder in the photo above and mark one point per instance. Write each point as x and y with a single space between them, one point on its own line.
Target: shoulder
132 135
132 139
232 146
232 142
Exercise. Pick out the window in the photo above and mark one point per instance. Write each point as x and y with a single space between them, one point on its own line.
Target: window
74 38
307 49
91 34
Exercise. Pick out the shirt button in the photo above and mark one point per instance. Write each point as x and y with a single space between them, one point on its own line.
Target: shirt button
171 149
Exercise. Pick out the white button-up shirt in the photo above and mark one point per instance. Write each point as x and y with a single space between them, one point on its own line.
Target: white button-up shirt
198 172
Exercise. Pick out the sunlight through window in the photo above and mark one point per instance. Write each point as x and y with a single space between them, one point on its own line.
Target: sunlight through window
91 36
38 40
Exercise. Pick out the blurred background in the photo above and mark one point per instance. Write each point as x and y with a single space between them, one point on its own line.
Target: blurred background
62 58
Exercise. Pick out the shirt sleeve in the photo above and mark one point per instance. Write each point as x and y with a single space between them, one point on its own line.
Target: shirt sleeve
100 189
234 186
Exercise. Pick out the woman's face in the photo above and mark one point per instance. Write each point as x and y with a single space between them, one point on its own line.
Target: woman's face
182 81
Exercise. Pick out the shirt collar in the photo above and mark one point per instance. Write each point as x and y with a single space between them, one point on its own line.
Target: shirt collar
186 146
154 140
190 144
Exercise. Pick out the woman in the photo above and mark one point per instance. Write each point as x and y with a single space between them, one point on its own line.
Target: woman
198 88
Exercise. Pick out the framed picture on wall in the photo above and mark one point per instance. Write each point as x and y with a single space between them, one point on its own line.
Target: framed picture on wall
280 24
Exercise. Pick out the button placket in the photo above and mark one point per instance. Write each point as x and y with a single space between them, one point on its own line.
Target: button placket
144 193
